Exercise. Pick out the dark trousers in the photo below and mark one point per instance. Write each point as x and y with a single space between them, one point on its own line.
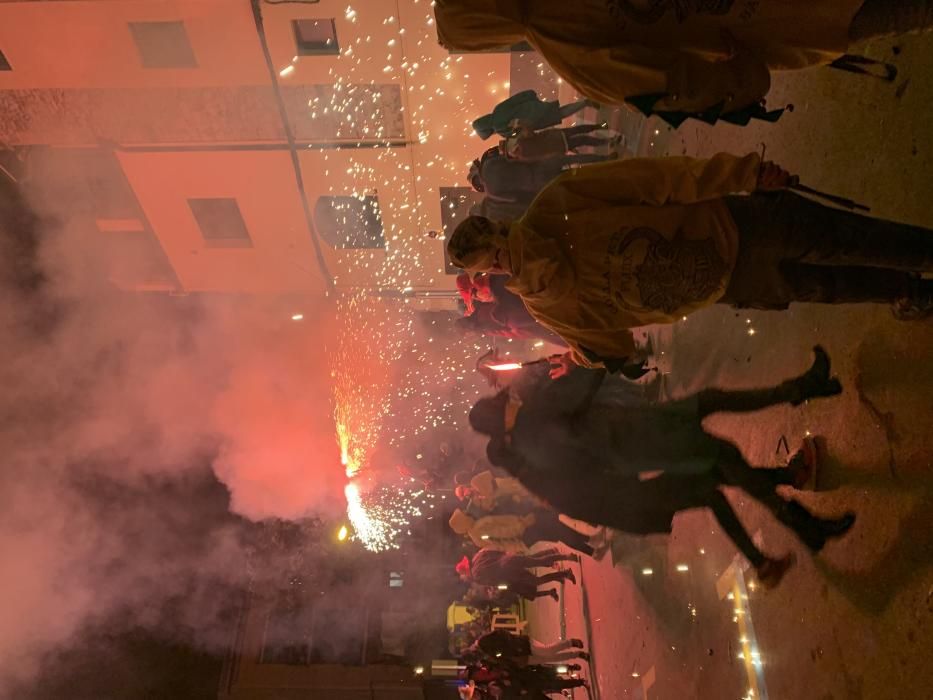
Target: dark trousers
760 483
792 249
886 17
548 528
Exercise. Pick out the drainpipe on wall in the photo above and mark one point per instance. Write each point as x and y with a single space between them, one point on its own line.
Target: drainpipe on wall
290 138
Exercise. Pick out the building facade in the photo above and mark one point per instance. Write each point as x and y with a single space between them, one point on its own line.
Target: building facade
249 146
366 628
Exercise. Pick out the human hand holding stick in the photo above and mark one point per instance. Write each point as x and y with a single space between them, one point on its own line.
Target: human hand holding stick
772 178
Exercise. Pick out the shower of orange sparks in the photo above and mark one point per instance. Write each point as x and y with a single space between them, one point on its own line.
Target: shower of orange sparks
343 440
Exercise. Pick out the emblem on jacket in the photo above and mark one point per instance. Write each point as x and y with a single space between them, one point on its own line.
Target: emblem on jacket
648 271
650 11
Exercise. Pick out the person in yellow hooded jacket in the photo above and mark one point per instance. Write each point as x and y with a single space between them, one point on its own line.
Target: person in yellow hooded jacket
489 492
610 247
682 56
516 533
502 532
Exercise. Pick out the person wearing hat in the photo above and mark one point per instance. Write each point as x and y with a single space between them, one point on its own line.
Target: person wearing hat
473 289
525 110
610 247
511 185
491 567
531 146
489 492
632 468
493 310
710 59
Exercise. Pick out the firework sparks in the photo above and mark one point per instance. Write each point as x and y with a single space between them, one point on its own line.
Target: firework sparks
381 517
438 385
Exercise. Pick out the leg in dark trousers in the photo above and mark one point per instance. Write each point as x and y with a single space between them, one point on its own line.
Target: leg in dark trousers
578 141
572 132
783 236
813 383
544 560
569 110
732 526
554 577
886 17
758 484
809 232
824 284
585 159
549 528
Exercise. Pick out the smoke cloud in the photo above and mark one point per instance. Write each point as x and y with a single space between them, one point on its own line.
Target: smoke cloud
113 409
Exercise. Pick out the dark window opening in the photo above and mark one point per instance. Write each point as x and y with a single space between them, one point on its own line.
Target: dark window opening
163 44
299 632
221 223
315 37
456 204
350 222
287 635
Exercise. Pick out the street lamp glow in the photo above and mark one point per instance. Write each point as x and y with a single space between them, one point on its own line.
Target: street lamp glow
342 533
297 317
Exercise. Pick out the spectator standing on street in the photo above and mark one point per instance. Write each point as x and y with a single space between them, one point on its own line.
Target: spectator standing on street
525 110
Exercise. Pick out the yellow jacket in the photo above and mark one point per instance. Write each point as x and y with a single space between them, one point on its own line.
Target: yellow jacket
704 53
628 243
491 490
500 532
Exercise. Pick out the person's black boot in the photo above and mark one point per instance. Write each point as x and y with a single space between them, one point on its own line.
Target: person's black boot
917 305
771 571
815 382
808 528
839 526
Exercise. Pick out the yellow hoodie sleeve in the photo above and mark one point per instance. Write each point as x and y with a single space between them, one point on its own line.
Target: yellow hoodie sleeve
615 344
651 181
583 339
606 342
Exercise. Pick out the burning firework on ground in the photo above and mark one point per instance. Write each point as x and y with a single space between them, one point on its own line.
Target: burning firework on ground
436 391
436 385
380 518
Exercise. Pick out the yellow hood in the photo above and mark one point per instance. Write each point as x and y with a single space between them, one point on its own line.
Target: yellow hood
479 25
460 522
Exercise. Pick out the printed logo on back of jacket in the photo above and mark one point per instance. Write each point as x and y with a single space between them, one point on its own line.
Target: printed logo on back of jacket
648 272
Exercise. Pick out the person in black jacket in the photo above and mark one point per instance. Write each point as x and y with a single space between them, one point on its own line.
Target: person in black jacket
522 650
586 456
